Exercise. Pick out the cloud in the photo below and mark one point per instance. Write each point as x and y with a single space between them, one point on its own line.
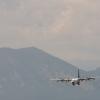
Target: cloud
67 28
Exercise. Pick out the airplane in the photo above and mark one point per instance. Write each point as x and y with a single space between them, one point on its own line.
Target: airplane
74 81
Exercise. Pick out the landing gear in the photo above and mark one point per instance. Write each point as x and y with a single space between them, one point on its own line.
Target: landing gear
78 83
73 83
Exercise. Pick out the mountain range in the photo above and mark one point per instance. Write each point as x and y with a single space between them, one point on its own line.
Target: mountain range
25 75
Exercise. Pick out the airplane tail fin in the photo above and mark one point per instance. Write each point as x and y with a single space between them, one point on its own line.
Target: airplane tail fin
78 74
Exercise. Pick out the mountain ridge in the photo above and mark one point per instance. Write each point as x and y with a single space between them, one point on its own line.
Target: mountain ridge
25 74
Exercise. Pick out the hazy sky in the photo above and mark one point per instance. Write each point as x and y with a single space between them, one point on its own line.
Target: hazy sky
68 29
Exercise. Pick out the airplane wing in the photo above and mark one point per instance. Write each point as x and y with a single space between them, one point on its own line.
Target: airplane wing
87 79
90 78
61 80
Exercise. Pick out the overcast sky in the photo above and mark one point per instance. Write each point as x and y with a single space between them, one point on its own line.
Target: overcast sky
68 29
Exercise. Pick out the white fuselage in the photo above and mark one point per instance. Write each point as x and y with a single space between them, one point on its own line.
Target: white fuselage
75 81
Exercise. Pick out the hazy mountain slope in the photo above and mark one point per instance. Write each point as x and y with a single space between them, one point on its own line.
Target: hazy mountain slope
96 72
25 74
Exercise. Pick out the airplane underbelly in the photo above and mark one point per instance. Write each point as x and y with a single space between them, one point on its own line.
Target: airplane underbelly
75 82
